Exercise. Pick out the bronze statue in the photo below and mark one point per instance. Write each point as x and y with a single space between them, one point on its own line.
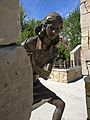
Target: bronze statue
43 52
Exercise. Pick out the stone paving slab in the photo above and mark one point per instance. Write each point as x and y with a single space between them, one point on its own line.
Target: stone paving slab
74 96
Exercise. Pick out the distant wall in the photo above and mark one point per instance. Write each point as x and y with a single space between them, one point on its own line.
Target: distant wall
66 75
75 55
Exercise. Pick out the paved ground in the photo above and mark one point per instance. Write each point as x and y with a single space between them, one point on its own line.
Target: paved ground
74 96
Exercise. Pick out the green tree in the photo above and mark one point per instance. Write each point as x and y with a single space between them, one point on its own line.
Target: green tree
29 29
27 26
72 34
71 29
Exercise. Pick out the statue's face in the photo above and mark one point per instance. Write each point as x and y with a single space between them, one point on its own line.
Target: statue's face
53 29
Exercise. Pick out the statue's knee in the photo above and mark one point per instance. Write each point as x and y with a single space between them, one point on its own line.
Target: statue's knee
61 104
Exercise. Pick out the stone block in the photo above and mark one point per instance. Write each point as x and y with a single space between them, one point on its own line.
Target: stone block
75 55
9 21
63 76
85 65
74 73
66 75
87 3
85 32
85 20
84 69
55 74
15 83
85 42
83 9
82 1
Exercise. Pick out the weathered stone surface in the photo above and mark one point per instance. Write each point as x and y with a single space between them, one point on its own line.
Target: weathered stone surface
75 55
66 75
87 3
85 28
85 65
85 20
85 55
82 1
15 84
9 21
85 43
83 8
85 31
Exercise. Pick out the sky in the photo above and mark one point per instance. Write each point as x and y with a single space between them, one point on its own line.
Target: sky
38 9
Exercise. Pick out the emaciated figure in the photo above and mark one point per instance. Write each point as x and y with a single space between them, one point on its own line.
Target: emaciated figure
42 50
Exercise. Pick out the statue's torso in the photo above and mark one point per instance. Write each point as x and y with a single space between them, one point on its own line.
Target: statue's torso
42 57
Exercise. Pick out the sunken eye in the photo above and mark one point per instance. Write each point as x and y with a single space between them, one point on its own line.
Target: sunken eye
53 28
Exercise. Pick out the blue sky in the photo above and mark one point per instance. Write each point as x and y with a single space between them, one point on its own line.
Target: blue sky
38 9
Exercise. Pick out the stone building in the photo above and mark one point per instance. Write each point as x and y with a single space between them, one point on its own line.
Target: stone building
75 55
85 55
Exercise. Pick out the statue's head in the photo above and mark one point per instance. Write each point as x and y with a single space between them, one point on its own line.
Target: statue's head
53 18
51 25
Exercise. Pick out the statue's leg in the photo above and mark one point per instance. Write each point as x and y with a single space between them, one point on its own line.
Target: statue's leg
60 105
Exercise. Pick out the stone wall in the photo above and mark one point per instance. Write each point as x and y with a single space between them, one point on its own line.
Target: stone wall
85 56
75 55
15 66
15 84
85 28
9 21
66 75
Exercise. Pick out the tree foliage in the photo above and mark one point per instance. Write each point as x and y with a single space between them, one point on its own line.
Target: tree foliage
28 30
27 26
71 32
71 29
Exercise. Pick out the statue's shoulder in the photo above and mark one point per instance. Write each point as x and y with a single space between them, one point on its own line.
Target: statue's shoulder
30 44
31 40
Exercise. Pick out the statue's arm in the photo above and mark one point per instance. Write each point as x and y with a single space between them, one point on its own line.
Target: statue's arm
40 71
30 46
49 67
